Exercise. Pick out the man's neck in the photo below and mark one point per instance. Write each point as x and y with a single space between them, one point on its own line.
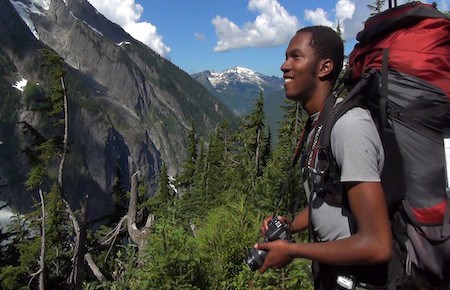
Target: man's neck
315 104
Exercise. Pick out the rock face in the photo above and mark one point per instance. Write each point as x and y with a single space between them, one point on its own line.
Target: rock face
129 108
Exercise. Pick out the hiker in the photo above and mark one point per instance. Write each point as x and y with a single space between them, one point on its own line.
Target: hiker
351 240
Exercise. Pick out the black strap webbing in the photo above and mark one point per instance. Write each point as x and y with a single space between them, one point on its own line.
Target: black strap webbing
326 109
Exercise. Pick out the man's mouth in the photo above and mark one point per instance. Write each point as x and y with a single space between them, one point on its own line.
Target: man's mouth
288 80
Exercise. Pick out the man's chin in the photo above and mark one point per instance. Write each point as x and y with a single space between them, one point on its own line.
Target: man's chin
289 96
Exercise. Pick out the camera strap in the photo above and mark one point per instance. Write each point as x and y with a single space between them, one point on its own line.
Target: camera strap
310 125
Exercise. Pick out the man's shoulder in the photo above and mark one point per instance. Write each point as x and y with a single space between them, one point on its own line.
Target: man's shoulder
354 114
353 119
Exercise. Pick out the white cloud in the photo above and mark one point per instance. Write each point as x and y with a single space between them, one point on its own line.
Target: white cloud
318 17
273 26
127 14
344 9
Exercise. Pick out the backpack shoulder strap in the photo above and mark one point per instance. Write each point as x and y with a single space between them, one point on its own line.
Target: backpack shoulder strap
349 102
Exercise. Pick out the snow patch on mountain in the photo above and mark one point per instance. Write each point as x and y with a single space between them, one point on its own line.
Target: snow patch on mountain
37 7
25 11
20 85
236 74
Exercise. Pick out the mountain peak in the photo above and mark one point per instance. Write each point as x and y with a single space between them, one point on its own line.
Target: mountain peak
236 74
241 70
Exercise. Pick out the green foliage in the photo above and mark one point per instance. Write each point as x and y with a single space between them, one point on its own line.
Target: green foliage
172 260
200 235
43 147
186 178
164 198
227 233
164 191
253 138
46 141
26 241
294 276
14 272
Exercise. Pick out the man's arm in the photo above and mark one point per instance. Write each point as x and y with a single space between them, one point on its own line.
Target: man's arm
301 221
370 245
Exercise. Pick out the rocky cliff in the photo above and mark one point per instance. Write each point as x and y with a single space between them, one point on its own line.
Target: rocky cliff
129 108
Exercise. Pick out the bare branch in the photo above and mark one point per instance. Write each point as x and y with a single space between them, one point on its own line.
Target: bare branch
42 256
94 268
112 236
114 232
80 248
66 134
41 261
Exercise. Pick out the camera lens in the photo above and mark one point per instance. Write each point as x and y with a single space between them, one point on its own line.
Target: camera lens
255 258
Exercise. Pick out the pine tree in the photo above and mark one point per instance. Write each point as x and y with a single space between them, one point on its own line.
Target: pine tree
214 168
376 6
165 192
48 145
279 178
252 137
186 178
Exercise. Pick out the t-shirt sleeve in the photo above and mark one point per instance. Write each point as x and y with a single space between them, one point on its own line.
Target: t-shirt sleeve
357 147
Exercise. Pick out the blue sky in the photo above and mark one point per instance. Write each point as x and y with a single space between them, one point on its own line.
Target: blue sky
199 35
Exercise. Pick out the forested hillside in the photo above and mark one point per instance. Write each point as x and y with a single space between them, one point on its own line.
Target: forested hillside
193 234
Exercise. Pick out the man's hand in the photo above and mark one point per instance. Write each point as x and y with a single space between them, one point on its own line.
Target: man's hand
265 224
277 254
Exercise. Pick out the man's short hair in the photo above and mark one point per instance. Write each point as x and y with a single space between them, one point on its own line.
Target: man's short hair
327 43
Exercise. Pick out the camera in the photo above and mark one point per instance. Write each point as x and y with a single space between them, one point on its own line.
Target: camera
277 230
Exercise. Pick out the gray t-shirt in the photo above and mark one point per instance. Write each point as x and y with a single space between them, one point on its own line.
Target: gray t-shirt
358 151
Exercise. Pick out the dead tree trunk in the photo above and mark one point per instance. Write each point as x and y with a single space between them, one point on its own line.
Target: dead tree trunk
80 233
42 256
40 272
138 236
76 276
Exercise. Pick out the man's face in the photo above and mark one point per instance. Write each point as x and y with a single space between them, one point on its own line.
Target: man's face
299 69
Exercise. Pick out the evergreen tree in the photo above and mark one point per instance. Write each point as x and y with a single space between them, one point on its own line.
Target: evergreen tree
165 192
47 140
214 169
200 171
376 6
163 199
48 145
252 137
186 178
279 177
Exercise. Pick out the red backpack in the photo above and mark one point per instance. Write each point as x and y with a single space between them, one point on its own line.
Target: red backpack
400 71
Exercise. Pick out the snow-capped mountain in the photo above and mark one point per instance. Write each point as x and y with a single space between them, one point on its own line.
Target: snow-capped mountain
240 75
238 87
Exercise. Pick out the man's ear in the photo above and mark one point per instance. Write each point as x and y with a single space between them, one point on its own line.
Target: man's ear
325 68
